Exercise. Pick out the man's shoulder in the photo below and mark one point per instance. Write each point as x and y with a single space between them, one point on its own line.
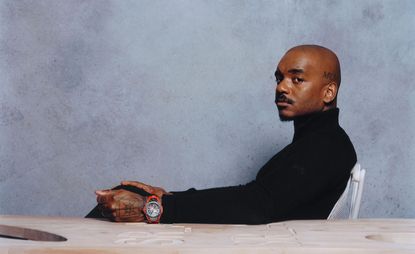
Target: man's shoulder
328 141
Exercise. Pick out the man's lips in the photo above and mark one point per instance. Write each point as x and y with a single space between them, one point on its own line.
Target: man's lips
283 104
283 101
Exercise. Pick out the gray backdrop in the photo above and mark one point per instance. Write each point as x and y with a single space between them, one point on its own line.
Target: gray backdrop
180 94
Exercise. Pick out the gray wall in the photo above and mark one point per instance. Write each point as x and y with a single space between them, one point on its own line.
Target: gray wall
180 94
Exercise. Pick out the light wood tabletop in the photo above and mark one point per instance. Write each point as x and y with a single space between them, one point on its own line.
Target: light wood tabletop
22 234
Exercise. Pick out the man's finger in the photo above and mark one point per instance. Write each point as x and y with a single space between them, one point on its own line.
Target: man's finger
134 183
104 196
103 199
143 186
104 192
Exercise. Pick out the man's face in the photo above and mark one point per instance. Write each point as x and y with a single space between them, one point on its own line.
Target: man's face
299 85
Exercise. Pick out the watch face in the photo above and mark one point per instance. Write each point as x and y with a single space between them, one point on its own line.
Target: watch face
153 209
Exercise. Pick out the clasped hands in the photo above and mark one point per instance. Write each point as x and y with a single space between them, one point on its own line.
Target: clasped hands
126 206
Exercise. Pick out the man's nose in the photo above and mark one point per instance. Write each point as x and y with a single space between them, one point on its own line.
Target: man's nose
282 87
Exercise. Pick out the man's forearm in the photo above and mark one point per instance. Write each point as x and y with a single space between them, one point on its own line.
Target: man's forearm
246 204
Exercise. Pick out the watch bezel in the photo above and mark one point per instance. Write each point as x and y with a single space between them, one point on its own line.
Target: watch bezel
153 200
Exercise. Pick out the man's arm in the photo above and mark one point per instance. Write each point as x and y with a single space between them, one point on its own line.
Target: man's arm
298 183
244 204
301 182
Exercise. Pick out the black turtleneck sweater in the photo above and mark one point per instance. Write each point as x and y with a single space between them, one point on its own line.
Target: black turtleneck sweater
302 181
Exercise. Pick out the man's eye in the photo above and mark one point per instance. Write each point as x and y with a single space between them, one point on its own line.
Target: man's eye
298 80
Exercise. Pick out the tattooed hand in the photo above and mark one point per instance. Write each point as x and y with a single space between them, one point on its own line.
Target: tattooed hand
121 205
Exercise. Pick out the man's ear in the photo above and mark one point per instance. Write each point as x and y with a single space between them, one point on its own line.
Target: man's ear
330 92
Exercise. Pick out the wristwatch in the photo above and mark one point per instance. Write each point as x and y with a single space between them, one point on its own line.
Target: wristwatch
153 209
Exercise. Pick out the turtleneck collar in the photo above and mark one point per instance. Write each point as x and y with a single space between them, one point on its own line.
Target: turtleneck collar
315 122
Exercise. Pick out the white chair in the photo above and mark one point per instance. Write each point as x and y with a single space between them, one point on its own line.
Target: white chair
340 211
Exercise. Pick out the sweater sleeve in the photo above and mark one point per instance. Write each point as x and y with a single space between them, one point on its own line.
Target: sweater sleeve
244 204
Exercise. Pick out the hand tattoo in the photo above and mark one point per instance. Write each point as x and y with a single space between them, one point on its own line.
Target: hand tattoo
129 207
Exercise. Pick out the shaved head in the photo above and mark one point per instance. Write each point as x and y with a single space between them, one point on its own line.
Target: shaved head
329 63
308 78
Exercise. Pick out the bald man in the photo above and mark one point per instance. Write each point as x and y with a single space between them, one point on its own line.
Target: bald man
302 181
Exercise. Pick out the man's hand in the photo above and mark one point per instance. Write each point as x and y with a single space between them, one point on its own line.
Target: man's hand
148 188
121 205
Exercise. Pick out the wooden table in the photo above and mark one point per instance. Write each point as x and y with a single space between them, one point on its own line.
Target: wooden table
78 235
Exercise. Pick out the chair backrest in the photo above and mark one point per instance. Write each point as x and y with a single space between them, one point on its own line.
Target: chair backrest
356 181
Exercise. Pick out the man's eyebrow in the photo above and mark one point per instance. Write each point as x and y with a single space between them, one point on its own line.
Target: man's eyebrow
296 71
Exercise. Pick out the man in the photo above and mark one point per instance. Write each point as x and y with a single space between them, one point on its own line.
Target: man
303 181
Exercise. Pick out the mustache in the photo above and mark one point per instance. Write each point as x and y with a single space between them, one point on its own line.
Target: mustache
282 98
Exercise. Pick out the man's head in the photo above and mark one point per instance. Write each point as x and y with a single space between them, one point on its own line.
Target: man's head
308 79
